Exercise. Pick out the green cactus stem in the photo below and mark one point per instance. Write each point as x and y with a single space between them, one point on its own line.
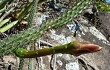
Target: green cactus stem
103 6
74 48
24 38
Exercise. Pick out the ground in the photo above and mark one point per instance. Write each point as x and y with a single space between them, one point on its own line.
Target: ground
94 33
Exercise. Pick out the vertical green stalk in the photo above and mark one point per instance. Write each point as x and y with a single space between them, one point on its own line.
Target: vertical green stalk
32 12
30 65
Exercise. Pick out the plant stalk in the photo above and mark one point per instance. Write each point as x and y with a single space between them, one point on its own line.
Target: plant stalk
74 48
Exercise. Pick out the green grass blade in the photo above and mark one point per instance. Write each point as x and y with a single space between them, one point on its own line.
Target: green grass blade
4 21
24 11
7 27
3 3
2 10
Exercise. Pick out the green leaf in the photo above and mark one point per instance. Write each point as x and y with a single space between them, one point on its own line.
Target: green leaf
4 21
7 27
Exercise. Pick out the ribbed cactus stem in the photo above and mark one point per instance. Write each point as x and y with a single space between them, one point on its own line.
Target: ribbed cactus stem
25 37
101 6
